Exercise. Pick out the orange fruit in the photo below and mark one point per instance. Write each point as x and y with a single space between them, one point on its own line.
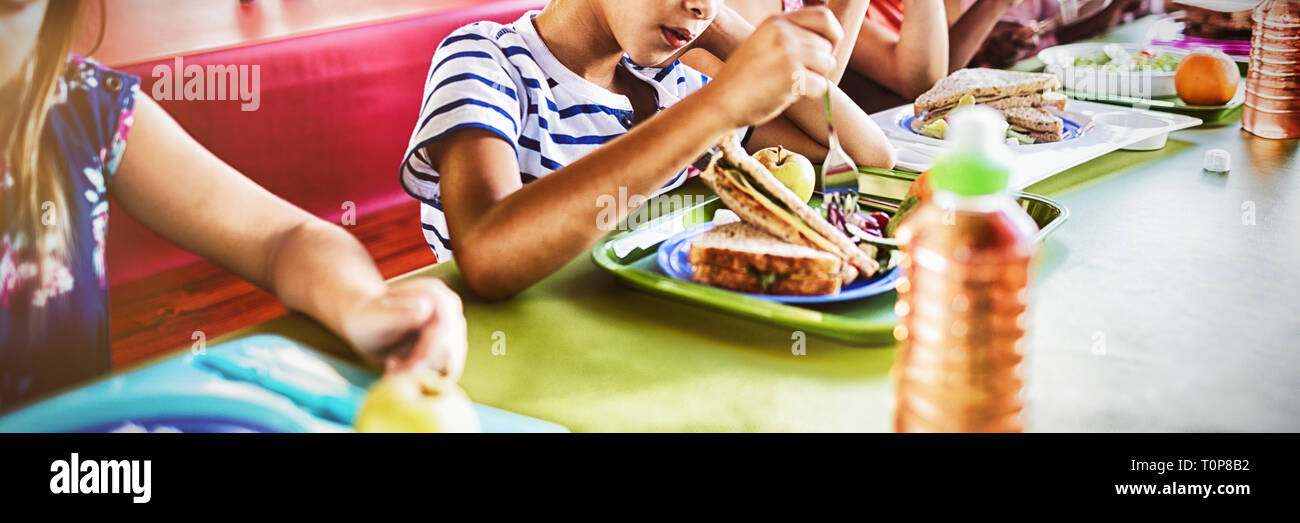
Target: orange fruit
921 186
1206 77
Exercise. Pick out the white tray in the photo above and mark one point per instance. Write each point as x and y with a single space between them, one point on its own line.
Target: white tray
1038 161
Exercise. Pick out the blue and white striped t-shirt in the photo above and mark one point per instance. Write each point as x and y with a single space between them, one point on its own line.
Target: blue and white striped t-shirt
503 79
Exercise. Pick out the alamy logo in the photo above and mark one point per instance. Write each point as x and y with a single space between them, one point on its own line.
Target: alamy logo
215 82
102 477
640 210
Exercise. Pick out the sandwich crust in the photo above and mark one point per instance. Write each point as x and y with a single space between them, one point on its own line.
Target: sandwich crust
1035 119
1045 137
733 152
750 210
746 281
983 83
741 256
744 246
1019 97
1002 105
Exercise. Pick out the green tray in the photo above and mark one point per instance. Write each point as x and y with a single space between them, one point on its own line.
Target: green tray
1209 114
630 256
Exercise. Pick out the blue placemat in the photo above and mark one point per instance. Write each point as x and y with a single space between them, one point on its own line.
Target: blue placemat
262 383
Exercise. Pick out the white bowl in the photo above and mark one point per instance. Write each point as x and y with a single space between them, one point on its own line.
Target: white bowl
1137 122
1092 81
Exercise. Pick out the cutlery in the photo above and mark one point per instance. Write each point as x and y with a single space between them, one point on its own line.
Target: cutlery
837 161
924 142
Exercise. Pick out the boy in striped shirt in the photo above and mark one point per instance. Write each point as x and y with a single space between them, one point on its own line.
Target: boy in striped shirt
524 127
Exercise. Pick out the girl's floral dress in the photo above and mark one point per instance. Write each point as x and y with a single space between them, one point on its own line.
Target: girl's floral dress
54 329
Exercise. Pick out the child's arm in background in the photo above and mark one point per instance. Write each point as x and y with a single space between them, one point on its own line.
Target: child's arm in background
507 235
911 62
969 31
176 187
931 43
802 128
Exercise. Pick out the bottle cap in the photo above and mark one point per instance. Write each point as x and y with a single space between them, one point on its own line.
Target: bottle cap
978 162
1218 160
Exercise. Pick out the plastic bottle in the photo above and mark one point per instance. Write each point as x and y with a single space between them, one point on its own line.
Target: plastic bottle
967 251
1272 107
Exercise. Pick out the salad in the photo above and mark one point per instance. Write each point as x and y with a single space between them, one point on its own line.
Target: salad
1113 57
841 210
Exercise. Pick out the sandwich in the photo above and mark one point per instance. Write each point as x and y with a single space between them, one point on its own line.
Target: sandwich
742 257
783 246
1025 99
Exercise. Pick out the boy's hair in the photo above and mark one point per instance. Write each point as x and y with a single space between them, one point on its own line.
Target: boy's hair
33 158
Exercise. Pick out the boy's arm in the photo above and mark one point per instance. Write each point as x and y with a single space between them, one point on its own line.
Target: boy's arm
735 22
802 127
507 235
851 14
804 130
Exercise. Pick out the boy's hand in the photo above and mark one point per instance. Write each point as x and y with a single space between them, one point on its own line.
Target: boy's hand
413 326
727 31
787 57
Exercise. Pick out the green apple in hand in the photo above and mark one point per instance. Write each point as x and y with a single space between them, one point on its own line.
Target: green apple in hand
412 401
792 169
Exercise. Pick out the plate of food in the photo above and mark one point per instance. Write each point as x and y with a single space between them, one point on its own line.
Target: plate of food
1034 110
630 257
1146 78
771 244
1174 104
1065 132
1111 69
744 258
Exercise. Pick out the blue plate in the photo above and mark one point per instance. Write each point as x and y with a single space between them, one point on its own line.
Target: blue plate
1071 131
674 260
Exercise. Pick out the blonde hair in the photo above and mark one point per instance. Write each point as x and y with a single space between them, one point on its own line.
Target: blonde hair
34 160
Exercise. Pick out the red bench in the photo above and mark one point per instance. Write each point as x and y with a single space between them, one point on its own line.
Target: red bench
337 109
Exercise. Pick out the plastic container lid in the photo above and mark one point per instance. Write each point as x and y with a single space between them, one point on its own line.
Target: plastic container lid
1218 160
978 162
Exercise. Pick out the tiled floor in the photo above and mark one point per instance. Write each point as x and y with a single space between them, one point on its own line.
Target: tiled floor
160 314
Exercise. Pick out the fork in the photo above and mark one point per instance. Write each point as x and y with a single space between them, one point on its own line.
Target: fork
837 161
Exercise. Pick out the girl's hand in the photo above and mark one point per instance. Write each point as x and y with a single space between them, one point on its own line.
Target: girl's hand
786 58
1006 43
416 325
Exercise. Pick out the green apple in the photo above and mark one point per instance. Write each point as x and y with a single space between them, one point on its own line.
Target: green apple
793 169
411 402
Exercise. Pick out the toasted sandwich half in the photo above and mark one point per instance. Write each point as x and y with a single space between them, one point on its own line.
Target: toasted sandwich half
1023 98
762 201
742 257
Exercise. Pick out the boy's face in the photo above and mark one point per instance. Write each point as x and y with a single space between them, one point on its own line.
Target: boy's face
20 22
651 31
